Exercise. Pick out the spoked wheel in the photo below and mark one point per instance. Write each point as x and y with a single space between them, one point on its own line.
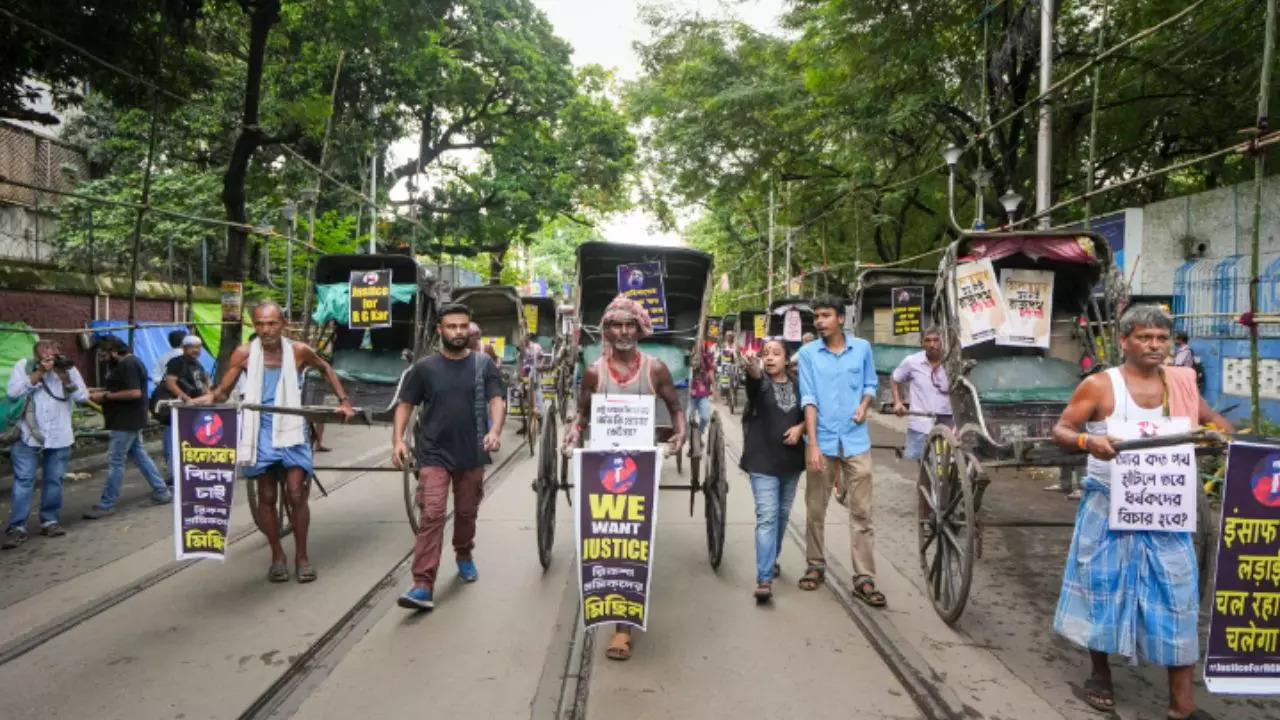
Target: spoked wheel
715 490
732 396
946 522
534 421
410 473
1206 540
545 486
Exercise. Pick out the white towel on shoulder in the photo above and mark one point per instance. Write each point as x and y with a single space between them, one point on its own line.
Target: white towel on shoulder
286 430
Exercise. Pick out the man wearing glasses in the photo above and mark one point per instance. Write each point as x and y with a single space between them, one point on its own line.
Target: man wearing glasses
930 400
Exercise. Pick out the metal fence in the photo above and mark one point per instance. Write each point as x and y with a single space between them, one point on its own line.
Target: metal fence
1209 295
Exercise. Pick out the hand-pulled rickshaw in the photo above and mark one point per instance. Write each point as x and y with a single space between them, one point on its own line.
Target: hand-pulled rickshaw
893 337
748 338
778 311
500 314
371 363
566 357
1006 399
687 282
540 320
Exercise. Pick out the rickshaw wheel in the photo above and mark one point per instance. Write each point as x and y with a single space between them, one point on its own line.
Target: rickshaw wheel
410 473
715 491
946 522
545 485
731 395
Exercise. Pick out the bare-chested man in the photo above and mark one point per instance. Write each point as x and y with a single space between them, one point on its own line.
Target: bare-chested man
277 445
623 369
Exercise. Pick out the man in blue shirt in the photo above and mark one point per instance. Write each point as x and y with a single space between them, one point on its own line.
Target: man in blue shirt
837 383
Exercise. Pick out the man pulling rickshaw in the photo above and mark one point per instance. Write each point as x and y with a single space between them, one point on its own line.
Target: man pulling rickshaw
624 369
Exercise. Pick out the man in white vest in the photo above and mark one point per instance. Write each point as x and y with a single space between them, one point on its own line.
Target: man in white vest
277 446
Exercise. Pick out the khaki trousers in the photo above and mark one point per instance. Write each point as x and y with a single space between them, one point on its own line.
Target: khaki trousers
855 473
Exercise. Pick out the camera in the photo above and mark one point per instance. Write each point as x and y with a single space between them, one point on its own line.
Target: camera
62 362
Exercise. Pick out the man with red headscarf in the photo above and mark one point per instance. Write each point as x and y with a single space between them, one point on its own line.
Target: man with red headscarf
623 369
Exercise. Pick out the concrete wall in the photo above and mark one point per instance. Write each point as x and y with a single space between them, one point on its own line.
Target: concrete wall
1220 219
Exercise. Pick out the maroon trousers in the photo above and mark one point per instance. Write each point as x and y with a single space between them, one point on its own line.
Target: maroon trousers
432 499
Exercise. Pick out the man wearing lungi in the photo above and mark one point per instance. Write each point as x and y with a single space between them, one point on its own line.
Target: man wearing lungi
1131 593
274 445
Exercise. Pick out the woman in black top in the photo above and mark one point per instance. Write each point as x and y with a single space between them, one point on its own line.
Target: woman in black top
772 425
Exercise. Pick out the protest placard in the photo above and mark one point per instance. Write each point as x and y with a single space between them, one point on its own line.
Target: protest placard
617 508
622 421
642 282
1154 489
370 299
792 326
977 302
908 309
204 473
1243 653
1028 297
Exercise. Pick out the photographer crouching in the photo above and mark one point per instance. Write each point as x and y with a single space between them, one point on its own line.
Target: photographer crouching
49 382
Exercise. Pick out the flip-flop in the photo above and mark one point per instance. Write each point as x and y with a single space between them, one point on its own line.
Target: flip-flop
278 573
619 647
306 573
1099 695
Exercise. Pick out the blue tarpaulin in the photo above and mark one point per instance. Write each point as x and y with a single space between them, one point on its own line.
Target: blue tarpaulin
149 343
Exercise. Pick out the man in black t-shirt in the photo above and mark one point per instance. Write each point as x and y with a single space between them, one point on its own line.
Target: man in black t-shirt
124 411
460 400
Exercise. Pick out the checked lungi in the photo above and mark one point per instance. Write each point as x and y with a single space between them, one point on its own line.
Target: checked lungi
1131 593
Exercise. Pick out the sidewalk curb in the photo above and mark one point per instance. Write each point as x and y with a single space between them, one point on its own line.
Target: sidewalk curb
88 463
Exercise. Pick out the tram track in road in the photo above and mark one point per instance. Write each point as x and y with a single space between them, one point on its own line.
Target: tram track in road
42 634
934 700
310 668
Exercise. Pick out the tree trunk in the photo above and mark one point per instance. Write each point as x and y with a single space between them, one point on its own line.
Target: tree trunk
496 265
263 14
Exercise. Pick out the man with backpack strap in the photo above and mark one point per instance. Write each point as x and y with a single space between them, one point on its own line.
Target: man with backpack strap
48 384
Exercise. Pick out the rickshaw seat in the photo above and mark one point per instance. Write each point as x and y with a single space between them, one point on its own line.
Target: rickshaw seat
1027 378
374 366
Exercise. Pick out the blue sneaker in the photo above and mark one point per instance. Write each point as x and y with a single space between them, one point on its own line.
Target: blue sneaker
416 599
467 570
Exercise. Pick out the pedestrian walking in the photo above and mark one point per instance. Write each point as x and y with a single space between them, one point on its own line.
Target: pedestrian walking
700 383
275 447
929 394
772 426
124 413
462 404
837 383
1131 593
48 384
625 369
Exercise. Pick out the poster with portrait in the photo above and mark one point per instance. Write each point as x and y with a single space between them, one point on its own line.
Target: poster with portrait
1028 298
642 282
370 299
977 302
908 309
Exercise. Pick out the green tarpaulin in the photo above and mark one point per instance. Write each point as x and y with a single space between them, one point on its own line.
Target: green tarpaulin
207 317
333 301
14 346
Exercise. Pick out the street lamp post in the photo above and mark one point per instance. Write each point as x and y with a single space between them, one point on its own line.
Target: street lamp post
981 178
952 156
290 212
1010 202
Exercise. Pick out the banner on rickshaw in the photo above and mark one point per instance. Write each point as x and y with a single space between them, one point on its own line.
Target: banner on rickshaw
713 328
908 309
642 282
232 301
760 326
204 474
977 302
498 343
548 382
1153 490
1243 654
1028 297
515 400
792 326
622 421
617 513
531 318
370 299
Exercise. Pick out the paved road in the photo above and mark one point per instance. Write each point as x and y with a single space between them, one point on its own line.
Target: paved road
214 640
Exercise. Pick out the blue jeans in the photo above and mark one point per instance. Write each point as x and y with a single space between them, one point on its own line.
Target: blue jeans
915 444
26 460
700 412
128 443
774 496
